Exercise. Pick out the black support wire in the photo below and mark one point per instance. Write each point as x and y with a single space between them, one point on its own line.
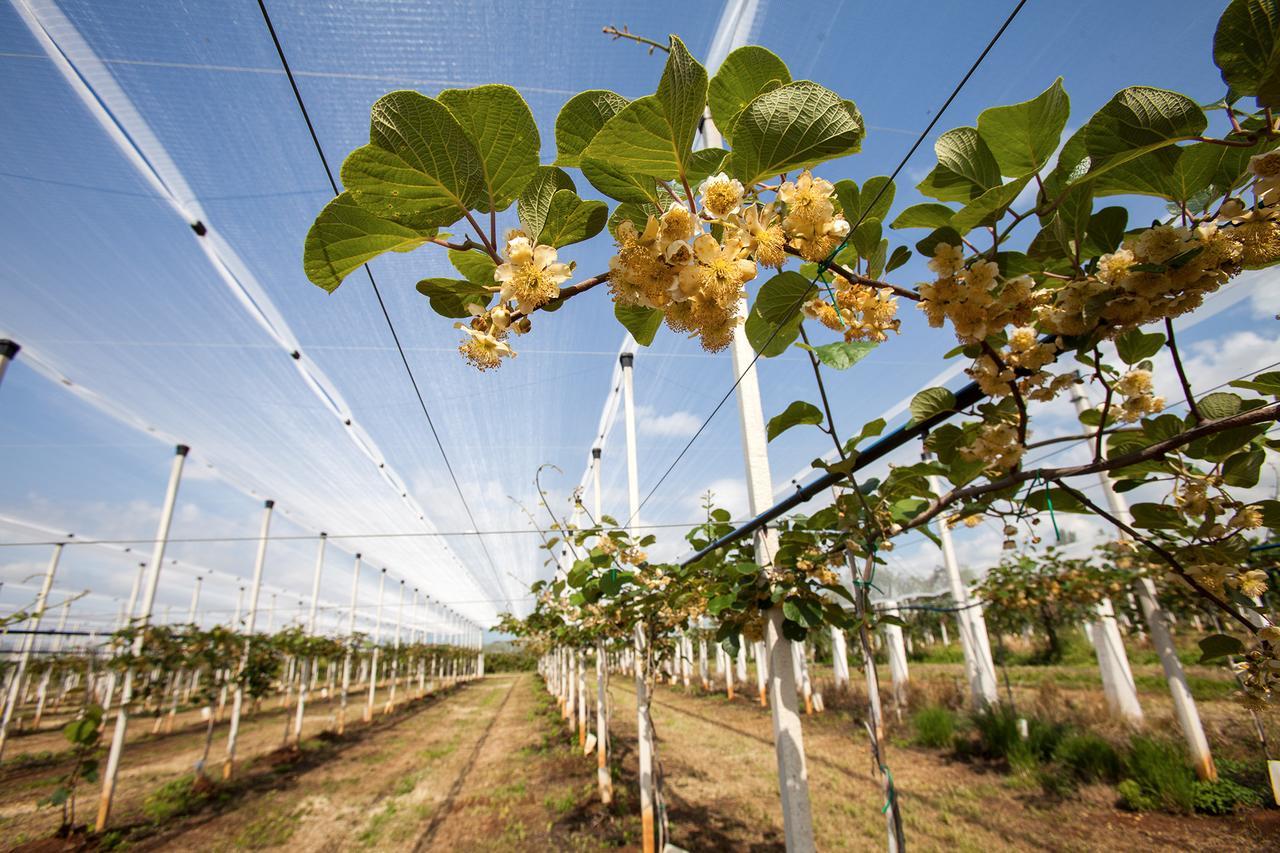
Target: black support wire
822 267
315 140
967 396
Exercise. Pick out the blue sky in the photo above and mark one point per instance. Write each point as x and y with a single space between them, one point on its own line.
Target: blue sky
103 283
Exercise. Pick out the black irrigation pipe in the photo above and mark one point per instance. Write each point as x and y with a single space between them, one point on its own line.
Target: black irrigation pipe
967 396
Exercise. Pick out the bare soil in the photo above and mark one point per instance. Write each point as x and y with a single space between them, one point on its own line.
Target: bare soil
491 766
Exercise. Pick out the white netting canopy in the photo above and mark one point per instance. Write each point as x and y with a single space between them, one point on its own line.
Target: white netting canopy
126 123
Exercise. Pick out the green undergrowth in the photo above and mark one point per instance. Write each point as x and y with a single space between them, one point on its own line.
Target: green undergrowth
1149 773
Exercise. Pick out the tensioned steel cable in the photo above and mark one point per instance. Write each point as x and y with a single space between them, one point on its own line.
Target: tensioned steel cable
821 267
315 140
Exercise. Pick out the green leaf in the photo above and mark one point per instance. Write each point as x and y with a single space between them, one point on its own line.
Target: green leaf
476 267
1023 137
1216 646
1135 123
619 183
988 207
572 220
1220 404
900 255
841 355
945 185
643 323
794 631
927 215
746 73
872 202
797 413
504 132
945 234
930 402
1063 501
793 127
803 612
450 297
1264 383
1244 47
965 153
866 237
1105 231
654 135
638 214
774 320
1153 516
705 163
1243 469
1140 116
346 235
421 168
535 199
580 120
720 603
1135 346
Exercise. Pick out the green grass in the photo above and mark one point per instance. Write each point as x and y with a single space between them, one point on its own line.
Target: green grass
933 726
270 830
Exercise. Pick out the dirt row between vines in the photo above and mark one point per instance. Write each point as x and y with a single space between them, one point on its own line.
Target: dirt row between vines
718 764
490 766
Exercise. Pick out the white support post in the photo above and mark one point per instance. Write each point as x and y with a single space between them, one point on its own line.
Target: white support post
644 728
762 673
395 664
702 664
840 658
315 584
28 643
1184 706
251 617
195 600
793 774
595 481
603 778
1104 634
897 658
144 617
582 699
377 642
979 668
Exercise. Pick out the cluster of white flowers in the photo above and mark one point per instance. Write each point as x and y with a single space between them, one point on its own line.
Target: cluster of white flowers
530 278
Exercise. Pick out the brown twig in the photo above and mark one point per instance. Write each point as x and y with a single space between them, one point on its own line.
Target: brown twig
1172 344
569 292
1013 386
1164 553
1259 415
855 278
625 33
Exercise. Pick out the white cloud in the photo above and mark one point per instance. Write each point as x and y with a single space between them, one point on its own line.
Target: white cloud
678 424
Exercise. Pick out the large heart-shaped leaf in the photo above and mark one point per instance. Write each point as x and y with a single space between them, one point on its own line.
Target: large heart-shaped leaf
476 267
965 153
504 132
1022 137
1244 48
746 73
535 200
571 220
988 207
774 321
450 296
653 135
643 323
580 120
421 168
797 413
346 235
793 127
